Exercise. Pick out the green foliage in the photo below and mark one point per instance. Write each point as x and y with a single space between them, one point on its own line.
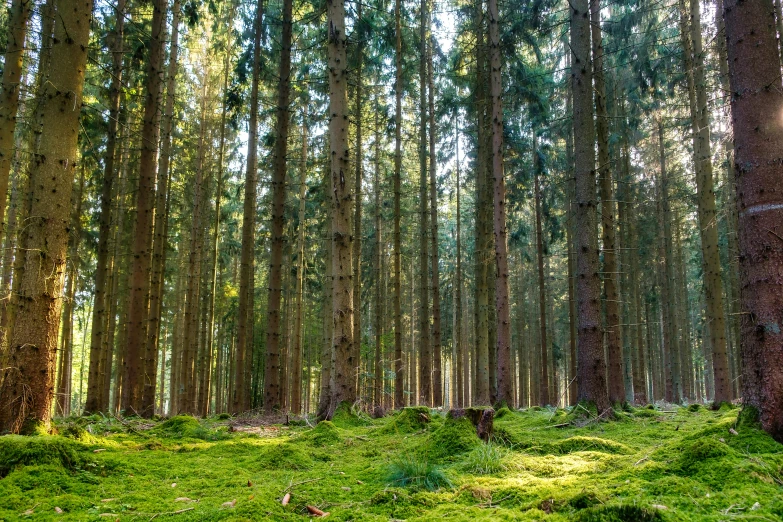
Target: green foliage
348 417
417 473
582 443
17 450
187 427
284 456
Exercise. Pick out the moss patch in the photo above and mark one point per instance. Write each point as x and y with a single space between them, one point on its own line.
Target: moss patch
17 451
408 420
455 437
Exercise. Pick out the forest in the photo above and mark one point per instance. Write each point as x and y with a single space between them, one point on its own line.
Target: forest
391 260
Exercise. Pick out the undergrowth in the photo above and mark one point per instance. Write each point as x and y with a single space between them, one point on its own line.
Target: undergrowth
652 464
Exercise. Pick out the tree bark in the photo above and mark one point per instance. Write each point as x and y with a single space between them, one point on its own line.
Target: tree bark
437 377
296 360
591 365
754 71
145 208
399 388
543 348
28 381
240 400
342 201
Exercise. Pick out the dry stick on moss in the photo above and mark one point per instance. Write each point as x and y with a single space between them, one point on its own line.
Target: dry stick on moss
172 512
291 486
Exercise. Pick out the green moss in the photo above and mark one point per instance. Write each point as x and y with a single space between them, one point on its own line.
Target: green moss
284 456
584 500
408 420
18 450
179 426
324 434
621 513
581 443
347 417
455 437
502 412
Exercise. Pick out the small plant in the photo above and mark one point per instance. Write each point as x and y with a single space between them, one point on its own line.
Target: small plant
486 459
416 472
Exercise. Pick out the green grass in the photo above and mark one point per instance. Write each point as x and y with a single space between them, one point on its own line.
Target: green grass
646 465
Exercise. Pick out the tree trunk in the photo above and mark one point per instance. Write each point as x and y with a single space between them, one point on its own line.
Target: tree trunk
591 363
272 389
705 195
145 208
754 70
18 16
612 299
437 378
296 359
157 283
27 385
462 380
425 353
240 400
543 393
342 201
357 222
399 388
378 370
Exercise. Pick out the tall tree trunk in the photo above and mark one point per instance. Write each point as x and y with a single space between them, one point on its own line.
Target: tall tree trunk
272 389
327 353
754 70
357 221
99 321
296 359
543 393
145 208
378 393
591 364
437 378
27 384
670 344
342 201
157 283
425 353
240 400
705 195
18 16
399 388
461 381
482 380
613 324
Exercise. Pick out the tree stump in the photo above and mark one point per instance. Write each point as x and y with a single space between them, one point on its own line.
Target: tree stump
481 418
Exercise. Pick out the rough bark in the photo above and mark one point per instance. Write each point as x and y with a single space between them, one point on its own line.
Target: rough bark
145 208
543 348
342 201
296 359
754 71
357 221
27 383
437 378
591 365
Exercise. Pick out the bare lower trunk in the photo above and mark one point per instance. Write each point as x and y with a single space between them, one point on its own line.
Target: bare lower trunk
399 396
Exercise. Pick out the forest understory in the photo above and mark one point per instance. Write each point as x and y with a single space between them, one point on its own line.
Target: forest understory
661 462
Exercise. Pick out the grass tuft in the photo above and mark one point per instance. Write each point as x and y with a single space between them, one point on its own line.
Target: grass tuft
417 473
486 459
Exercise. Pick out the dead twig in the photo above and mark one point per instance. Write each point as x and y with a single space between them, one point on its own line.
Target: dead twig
172 512
291 486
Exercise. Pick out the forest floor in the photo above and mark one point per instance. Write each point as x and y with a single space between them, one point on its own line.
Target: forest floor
657 463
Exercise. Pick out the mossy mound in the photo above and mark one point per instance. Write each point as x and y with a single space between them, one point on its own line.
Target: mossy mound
347 417
180 426
455 437
502 412
77 432
17 451
324 434
284 456
691 454
625 513
584 500
581 443
408 420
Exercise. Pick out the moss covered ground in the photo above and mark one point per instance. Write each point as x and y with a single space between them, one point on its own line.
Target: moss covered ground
676 464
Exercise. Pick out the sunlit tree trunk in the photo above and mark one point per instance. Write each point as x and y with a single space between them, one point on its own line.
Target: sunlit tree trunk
543 348
27 386
342 201
296 359
399 373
